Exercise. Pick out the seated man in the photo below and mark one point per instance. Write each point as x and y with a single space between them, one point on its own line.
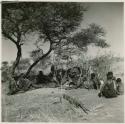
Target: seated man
119 86
108 90
74 76
41 78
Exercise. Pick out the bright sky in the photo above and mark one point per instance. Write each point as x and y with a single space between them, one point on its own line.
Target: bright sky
108 15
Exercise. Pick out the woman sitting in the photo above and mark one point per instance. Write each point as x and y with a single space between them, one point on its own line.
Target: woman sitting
108 89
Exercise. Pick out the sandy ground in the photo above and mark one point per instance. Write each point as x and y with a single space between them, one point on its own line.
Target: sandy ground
44 105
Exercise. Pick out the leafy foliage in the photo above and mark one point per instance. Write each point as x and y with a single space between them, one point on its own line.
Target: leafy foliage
58 19
16 24
23 65
35 54
93 34
54 22
102 65
16 21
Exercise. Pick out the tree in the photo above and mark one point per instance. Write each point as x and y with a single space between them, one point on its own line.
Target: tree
102 64
16 24
77 44
55 23
35 54
52 20
23 65
64 55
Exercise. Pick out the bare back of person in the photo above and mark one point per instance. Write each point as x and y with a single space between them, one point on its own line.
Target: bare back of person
109 89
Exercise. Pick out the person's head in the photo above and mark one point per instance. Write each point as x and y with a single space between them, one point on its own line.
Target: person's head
110 75
85 79
40 72
118 80
92 75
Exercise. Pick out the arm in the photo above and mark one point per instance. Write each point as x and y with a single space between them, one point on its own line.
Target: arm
101 88
115 87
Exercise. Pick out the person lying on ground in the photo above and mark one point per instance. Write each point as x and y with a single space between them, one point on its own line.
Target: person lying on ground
108 90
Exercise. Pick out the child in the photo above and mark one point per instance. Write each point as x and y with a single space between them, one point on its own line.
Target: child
119 86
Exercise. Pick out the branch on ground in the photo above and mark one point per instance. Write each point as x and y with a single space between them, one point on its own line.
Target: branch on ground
75 102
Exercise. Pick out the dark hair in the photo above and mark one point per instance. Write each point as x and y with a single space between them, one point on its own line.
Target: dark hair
92 75
40 72
118 80
78 68
110 73
85 79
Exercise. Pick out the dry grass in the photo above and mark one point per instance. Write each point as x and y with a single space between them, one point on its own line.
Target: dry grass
43 105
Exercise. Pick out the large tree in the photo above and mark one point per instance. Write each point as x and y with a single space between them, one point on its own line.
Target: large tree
77 44
16 24
55 23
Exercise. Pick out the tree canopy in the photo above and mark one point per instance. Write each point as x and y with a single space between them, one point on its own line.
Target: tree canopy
52 21
93 34
16 23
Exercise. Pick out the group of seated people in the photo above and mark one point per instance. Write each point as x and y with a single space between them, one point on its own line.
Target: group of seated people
109 88
74 79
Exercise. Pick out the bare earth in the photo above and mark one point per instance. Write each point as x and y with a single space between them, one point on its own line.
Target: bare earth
44 105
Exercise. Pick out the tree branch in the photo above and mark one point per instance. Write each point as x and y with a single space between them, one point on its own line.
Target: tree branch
9 37
40 58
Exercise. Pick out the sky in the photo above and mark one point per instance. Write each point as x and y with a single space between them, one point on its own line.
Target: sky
108 15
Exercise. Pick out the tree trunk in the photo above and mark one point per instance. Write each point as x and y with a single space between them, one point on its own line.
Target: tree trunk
15 64
35 63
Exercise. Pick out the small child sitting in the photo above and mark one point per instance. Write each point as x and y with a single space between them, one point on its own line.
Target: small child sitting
119 86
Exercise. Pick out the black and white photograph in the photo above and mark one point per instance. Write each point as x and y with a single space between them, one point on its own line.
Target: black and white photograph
62 62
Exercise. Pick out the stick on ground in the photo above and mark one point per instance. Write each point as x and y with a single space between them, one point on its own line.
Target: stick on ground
75 102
